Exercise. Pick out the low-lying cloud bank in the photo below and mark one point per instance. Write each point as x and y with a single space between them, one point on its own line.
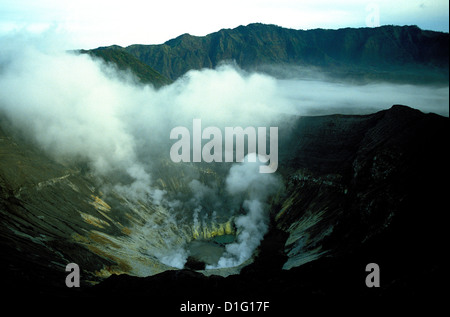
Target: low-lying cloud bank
80 109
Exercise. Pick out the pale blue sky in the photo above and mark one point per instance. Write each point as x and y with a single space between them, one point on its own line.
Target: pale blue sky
93 23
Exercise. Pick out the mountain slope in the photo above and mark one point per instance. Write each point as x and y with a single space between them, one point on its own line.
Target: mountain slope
386 53
125 61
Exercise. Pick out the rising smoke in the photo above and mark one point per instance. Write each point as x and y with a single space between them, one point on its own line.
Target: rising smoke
245 179
80 109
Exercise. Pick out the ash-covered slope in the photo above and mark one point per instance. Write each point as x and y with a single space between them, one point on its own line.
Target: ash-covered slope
359 190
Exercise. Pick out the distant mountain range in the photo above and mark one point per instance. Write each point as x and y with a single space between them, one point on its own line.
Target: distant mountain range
403 54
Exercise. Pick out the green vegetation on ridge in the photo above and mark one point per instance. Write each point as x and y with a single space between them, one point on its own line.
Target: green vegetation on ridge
125 61
403 54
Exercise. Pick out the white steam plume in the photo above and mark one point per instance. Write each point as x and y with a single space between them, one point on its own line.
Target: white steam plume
80 109
244 179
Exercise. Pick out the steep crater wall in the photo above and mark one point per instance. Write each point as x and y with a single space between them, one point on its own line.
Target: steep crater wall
355 188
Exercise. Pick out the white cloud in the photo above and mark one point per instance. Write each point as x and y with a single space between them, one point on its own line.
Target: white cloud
99 23
77 108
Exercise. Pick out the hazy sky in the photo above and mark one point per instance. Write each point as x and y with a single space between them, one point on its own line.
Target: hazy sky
93 23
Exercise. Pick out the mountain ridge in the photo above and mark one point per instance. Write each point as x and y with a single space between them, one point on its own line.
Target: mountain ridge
391 53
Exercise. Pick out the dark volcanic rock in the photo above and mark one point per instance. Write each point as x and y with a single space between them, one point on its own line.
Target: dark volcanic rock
359 190
384 205
194 264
